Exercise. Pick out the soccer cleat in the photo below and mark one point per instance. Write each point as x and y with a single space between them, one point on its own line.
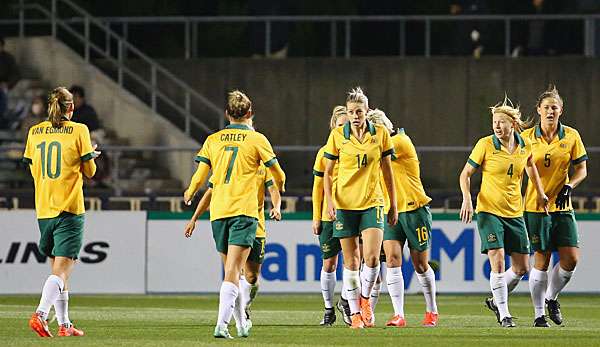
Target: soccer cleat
489 303
357 321
396 321
344 308
328 317
222 332
554 311
39 325
507 322
245 330
541 322
69 330
430 319
366 312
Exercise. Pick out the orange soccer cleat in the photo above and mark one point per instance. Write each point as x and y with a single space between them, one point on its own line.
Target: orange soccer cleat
357 322
396 321
366 312
39 325
69 330
430 319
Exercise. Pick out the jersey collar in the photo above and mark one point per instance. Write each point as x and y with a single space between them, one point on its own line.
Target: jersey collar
347 131
561 131
238 126
498 144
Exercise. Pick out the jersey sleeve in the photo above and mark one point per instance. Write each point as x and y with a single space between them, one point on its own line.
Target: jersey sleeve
203 155
477 155
331 148
28 154
268 179
265 151
578 153
319 167
387 146
86 151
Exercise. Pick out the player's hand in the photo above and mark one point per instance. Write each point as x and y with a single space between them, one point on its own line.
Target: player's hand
96 153
393 216
187 197
275 214
542 200
564 196
331 212
189 228
466 211
316 227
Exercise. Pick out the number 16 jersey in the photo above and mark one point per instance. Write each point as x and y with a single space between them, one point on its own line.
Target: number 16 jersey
235 155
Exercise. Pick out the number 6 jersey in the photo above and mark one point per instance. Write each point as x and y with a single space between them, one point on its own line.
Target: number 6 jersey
55 157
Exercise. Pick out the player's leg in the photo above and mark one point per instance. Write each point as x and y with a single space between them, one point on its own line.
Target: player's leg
394 278
567 242
375 292
538 230
518 246
249 282
330 247
372 239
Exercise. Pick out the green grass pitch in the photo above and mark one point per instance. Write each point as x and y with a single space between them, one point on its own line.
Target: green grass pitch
293 320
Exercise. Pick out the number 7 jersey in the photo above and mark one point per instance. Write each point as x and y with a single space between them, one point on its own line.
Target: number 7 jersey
235 155
55 156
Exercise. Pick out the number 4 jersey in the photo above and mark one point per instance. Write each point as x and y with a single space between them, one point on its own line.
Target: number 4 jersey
235 155
55 156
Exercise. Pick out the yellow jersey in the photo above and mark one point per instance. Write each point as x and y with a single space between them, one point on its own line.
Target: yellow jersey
502 174
410 193
235 155
552 161
55 156
319 202
264 180
358 185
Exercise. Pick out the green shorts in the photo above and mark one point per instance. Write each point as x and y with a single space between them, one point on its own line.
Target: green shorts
61 236
330 246
257 253
351 223
500 232
547 233
238 230
414 226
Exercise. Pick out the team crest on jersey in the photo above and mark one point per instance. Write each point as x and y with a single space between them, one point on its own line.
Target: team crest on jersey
492 238
339 226
374 140
522 151
563 145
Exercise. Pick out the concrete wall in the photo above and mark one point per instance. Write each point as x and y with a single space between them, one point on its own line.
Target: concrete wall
439 101
119 110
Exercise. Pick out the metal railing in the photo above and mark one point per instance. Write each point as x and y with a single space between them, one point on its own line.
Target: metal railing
124 48
190 27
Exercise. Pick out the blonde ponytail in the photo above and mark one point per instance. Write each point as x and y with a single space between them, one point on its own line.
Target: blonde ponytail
59 101
338 111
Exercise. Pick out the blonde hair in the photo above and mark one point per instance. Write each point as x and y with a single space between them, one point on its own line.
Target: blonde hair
509 109
238 104
377 116
338 111
59 101
356 95
551 92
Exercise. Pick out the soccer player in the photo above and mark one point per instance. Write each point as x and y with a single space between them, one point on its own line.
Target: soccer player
502 157
363 151
322 225
414 226
556 147
234 154
249 280
58 152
